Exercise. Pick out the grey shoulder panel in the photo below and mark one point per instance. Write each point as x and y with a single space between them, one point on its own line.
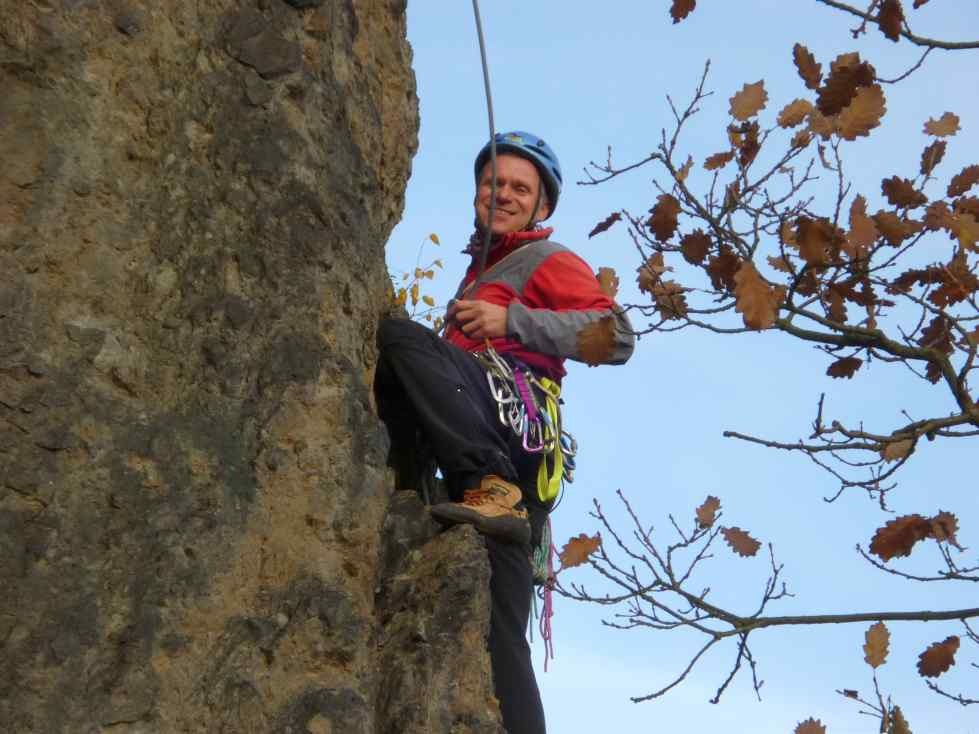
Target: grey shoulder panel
515 269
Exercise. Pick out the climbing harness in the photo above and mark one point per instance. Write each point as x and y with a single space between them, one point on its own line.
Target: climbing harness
530 406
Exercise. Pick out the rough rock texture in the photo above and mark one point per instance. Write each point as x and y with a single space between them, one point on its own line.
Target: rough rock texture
198 531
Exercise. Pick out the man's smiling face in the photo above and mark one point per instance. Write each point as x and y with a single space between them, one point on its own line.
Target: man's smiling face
517 187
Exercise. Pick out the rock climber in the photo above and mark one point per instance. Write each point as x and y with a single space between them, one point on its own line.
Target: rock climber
527 308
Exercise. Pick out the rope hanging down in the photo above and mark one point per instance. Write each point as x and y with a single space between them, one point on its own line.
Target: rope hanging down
488 234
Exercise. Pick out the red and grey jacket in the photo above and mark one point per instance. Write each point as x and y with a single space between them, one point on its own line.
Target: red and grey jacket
550 294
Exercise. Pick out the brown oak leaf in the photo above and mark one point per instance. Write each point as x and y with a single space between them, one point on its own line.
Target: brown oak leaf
801 139
896 450
756 300
707 512
810 726
786 234
750 144
891 18
963 181
794 113
681 9
605 224
722 268
650 272
898 537
900 192
956 281
663 221
938 216
875 648
810 72
898 724
780 264
847 74
863 232
608 281
894 228
695 247
937 335
863 114
822 125
965 227
596 341
944 527
818 240
577 550
740 542
836 308
850 693
938 658
669 298
718 160
968 205
749 101
931 156
944 127
845 367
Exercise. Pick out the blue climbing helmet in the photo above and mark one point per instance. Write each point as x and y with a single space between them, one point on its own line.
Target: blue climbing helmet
532 148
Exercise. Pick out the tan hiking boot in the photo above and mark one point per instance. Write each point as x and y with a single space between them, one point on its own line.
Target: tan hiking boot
492 510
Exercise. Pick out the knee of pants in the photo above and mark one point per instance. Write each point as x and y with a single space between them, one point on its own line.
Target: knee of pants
393 332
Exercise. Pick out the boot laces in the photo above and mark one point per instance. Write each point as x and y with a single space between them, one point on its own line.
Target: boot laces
481 495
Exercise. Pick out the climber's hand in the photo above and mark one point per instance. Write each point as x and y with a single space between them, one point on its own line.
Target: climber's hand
479 319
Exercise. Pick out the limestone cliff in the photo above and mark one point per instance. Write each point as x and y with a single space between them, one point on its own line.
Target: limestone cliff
198 532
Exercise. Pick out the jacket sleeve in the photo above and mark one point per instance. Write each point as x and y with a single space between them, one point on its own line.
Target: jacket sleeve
569 298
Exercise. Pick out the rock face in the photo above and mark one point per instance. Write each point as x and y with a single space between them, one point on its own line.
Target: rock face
198 532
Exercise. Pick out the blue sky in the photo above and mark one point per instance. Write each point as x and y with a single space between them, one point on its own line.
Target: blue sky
584 76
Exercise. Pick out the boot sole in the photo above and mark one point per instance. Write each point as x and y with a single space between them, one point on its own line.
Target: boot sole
505 527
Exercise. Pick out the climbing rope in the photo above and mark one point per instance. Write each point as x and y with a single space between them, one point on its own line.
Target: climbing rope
488 234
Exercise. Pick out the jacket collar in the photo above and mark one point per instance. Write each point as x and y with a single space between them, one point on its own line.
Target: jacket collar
502 245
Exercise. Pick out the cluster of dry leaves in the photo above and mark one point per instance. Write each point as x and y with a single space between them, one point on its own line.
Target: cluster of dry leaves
888 276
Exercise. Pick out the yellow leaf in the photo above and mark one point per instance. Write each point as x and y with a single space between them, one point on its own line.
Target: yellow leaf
430 274
875 648
577 550
428 300
684 171
414 294
749 101
434 238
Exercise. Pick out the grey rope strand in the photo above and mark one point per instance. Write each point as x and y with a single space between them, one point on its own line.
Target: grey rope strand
487 237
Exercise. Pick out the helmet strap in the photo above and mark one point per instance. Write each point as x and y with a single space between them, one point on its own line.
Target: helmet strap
532 224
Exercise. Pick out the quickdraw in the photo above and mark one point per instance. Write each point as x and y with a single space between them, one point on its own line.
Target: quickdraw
531 408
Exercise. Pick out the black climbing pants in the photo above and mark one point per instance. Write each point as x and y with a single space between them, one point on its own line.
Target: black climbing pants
427 383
